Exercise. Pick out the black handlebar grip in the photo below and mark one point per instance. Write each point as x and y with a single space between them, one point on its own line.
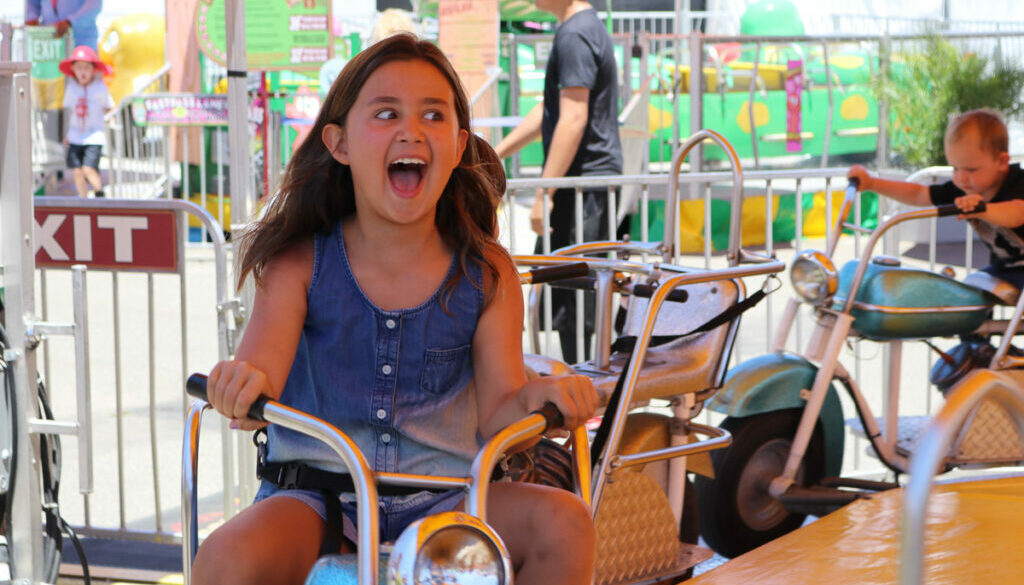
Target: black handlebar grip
944 210
646 290
854 182
195 387
552 415
559 272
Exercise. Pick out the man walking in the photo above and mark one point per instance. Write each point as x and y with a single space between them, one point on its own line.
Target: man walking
578 125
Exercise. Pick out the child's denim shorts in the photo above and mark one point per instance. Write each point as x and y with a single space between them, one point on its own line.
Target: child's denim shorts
396 512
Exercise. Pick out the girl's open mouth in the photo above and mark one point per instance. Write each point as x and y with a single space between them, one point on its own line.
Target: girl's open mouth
406 174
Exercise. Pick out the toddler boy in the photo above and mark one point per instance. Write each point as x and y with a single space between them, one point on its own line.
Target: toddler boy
977 147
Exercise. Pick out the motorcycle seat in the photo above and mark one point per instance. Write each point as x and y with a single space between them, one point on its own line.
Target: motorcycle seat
1004 292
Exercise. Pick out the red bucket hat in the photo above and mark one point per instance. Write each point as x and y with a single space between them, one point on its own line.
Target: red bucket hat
84 53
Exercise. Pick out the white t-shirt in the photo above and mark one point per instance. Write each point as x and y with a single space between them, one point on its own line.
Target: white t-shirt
86 104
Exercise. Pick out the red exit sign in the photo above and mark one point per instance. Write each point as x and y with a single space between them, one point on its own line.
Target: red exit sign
110 239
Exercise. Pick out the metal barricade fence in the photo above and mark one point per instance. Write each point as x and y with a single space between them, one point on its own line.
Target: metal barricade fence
140 162
153 319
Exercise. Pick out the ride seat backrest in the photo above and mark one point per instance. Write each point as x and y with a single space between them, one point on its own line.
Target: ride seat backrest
704 301
691 363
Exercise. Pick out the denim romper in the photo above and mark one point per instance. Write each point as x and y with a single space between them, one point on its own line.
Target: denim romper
397 382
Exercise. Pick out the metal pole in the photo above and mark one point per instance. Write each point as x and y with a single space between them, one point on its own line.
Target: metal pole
6 32
696 99
26 531
882 160
242 196
238 106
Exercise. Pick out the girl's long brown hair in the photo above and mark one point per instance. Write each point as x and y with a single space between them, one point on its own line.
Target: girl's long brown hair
317 190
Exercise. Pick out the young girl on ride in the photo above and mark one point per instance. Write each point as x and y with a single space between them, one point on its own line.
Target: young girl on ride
385 305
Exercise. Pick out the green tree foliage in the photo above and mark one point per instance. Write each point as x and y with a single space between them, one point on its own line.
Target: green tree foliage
926 87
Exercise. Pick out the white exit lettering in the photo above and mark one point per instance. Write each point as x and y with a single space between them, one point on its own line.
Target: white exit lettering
122 227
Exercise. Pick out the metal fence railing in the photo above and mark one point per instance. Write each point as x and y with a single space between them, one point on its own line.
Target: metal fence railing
140 162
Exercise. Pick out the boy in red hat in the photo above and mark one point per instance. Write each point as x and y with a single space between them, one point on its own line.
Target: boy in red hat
87 99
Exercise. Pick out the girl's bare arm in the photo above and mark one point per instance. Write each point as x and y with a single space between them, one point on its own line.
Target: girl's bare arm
265 354
503 393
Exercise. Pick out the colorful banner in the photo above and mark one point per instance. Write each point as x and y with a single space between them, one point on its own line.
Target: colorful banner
289 35
186 109
181 110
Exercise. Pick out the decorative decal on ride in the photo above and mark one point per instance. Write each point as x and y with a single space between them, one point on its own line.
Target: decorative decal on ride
761 115
854 107
794 86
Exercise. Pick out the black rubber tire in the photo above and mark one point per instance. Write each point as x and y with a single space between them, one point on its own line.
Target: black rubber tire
736 512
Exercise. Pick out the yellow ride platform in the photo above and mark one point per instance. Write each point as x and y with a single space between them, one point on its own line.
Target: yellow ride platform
973 536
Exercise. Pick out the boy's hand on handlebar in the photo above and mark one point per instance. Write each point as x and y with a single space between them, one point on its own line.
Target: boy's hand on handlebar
861 174
573 394
967 203
232 387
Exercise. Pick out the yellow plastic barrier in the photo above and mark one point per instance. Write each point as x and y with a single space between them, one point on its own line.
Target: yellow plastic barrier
213 203
692 217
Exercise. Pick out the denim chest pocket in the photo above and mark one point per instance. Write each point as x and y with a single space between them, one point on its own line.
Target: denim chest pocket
441 368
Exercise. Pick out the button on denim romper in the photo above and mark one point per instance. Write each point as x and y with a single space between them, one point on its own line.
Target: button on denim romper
397 382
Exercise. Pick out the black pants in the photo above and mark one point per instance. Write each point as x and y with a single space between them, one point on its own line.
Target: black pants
563 233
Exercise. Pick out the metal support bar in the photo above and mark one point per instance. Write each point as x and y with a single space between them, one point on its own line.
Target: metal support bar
718 439
82 388
16 221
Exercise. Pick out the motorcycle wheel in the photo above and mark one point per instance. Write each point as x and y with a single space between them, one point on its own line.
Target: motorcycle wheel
737 514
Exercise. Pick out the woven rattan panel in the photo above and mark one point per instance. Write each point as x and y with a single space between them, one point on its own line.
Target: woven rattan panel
637 536
990 435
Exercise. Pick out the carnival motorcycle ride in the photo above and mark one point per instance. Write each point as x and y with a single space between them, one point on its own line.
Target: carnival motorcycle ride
783 408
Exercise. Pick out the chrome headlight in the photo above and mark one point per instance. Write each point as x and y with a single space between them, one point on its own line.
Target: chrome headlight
814 277
451 548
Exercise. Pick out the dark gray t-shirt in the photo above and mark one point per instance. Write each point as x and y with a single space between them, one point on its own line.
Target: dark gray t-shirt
1005 244
582 56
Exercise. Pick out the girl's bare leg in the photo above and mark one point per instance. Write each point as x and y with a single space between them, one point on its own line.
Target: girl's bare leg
548 531
272 542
